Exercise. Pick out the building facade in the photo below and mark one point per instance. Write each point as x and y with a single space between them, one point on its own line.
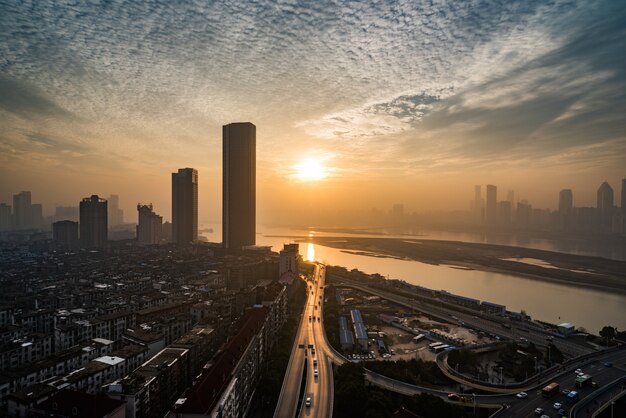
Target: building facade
239 185
185 206
149 227
22 210
93 222
65 234
605 207
491 205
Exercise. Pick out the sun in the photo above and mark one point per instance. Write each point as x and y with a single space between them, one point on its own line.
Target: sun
310 170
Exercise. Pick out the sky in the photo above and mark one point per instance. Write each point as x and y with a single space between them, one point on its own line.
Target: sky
387 101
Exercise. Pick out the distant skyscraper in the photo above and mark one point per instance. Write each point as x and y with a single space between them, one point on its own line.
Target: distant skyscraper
65 234
93 222
22 210
185 206
522 214
6 218
150 226
623 205
239 185
491 205
116 215
36 215
566 204
605 207
503 216
477 205
566 201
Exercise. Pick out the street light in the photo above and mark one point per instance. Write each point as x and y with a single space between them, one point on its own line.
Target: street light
612 404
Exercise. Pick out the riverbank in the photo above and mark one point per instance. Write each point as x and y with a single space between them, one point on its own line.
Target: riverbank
573 270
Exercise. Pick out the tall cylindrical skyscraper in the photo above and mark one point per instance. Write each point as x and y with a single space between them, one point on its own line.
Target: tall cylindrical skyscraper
239 185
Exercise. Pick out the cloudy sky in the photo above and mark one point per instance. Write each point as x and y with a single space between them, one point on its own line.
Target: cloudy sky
403 101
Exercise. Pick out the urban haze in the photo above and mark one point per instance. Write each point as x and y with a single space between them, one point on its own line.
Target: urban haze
312 209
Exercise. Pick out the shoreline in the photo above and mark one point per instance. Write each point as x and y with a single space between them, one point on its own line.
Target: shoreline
594 273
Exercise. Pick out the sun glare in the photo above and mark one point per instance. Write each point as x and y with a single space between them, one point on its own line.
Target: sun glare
310 170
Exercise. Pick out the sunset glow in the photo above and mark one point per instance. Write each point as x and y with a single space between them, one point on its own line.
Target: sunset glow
310 170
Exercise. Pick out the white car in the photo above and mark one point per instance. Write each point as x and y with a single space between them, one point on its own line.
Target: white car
538 411
307 402
557 406
522 395
315 373
578 372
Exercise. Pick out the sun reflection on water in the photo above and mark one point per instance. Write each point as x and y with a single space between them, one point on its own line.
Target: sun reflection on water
310 252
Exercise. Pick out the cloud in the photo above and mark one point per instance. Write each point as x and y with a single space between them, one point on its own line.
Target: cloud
27 101
423 84
382 118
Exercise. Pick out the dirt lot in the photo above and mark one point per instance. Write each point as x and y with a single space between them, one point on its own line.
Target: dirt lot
374 310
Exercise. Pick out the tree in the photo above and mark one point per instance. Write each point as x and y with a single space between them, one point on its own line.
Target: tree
608 333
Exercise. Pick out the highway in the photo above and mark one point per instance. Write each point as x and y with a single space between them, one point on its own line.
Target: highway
601 374
595 367
310 338
319 388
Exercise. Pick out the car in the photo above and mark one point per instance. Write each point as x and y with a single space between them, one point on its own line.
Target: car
562 412
309 318
307 402
608 364
545 416
538 411
315 373
594 384
557 406
565 391
578 371
522 395
454 397
318 319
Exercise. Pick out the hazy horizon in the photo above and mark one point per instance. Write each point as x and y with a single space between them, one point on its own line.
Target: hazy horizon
375 104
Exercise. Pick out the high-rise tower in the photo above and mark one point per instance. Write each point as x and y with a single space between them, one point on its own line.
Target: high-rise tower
239 185
566 201
149 225
185 206
491 205
22 210
623 206
93 222
605 207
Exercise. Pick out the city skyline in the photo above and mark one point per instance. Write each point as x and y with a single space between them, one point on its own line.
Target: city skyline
296 209
564 201
460 101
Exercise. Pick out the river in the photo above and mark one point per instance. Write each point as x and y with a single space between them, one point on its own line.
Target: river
549 302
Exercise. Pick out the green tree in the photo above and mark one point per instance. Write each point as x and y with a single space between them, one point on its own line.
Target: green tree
608 333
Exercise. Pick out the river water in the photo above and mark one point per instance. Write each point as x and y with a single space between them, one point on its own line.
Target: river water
545 301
